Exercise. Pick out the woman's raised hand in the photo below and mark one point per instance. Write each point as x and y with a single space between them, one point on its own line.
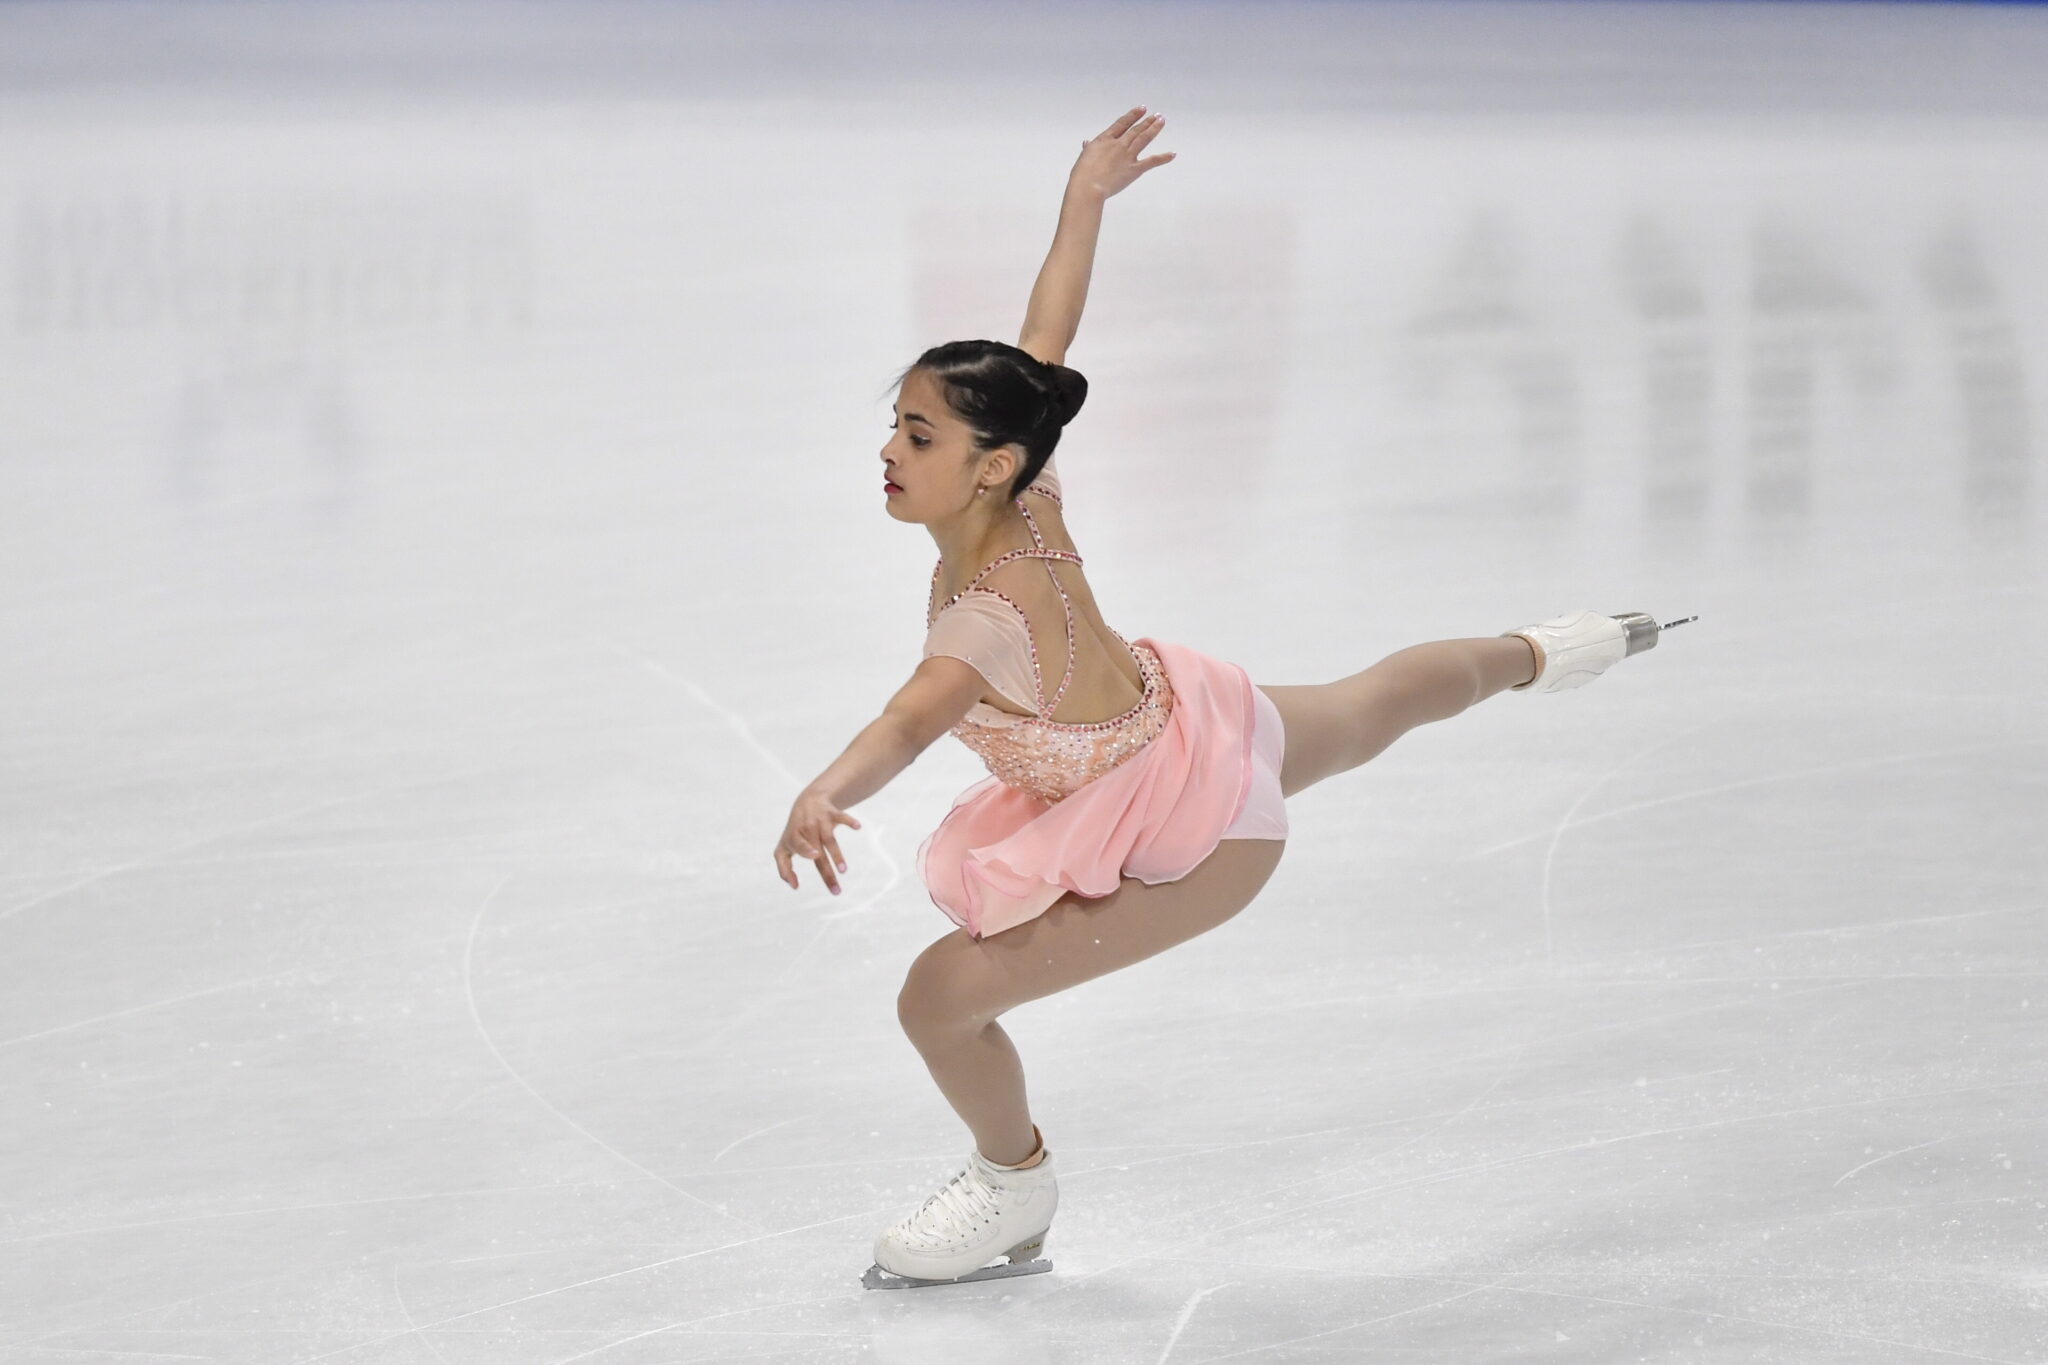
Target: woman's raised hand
1109 160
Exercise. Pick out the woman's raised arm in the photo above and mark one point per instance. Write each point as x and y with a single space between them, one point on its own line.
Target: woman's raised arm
1108 162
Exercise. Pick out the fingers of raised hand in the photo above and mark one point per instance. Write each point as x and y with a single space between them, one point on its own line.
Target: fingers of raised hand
1118 128
1143 131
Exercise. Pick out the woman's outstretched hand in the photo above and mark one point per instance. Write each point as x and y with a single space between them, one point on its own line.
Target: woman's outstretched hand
812 832
1109 160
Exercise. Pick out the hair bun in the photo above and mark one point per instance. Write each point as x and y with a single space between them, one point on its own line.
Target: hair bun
1068 390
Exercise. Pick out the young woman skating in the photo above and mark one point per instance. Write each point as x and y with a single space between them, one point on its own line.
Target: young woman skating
1136 795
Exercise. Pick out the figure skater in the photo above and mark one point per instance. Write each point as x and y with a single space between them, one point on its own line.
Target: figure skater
1133 803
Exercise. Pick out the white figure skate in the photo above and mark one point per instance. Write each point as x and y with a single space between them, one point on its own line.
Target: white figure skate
983 1212
1575 648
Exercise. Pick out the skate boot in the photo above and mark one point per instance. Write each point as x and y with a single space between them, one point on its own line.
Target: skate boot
983 1212
1575 648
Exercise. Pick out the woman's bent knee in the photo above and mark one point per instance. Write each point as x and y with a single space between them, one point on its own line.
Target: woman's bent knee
942 992
960 984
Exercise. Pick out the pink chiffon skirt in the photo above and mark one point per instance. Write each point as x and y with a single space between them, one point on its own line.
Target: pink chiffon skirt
1002 856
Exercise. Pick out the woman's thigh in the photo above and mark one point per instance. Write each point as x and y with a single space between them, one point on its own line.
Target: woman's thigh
1322 721
1333 727
1079 939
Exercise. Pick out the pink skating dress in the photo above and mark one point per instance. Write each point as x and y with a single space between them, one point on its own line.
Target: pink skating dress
1077 807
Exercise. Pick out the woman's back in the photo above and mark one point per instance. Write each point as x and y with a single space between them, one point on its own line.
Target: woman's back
1105 681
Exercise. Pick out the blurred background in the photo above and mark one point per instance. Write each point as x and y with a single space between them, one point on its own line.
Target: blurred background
440 532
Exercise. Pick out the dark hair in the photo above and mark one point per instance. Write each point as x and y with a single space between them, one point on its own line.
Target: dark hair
1006 396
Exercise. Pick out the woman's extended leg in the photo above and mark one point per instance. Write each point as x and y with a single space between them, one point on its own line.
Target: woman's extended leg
958 986
1334 727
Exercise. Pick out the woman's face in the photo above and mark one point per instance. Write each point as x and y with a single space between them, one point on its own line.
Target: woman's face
927 455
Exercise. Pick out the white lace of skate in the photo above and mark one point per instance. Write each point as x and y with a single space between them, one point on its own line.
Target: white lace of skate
958 1207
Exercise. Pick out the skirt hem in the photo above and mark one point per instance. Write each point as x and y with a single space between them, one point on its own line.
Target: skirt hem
1002 856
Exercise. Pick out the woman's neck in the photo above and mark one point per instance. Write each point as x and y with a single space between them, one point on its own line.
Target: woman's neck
970 546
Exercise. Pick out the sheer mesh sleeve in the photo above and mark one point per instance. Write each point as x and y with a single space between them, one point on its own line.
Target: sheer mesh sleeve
1049 480
987 632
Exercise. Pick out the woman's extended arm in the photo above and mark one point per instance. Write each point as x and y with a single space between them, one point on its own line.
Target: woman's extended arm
938 694
1108 162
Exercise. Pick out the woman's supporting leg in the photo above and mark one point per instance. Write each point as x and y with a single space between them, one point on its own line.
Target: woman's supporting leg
1334 727
957 987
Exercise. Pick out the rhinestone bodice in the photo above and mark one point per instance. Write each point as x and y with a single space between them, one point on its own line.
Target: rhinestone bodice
1052 759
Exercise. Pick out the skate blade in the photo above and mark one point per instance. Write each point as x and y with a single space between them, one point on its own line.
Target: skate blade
878 1278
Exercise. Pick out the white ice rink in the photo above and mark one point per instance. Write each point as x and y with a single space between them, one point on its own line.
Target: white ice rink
441 529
